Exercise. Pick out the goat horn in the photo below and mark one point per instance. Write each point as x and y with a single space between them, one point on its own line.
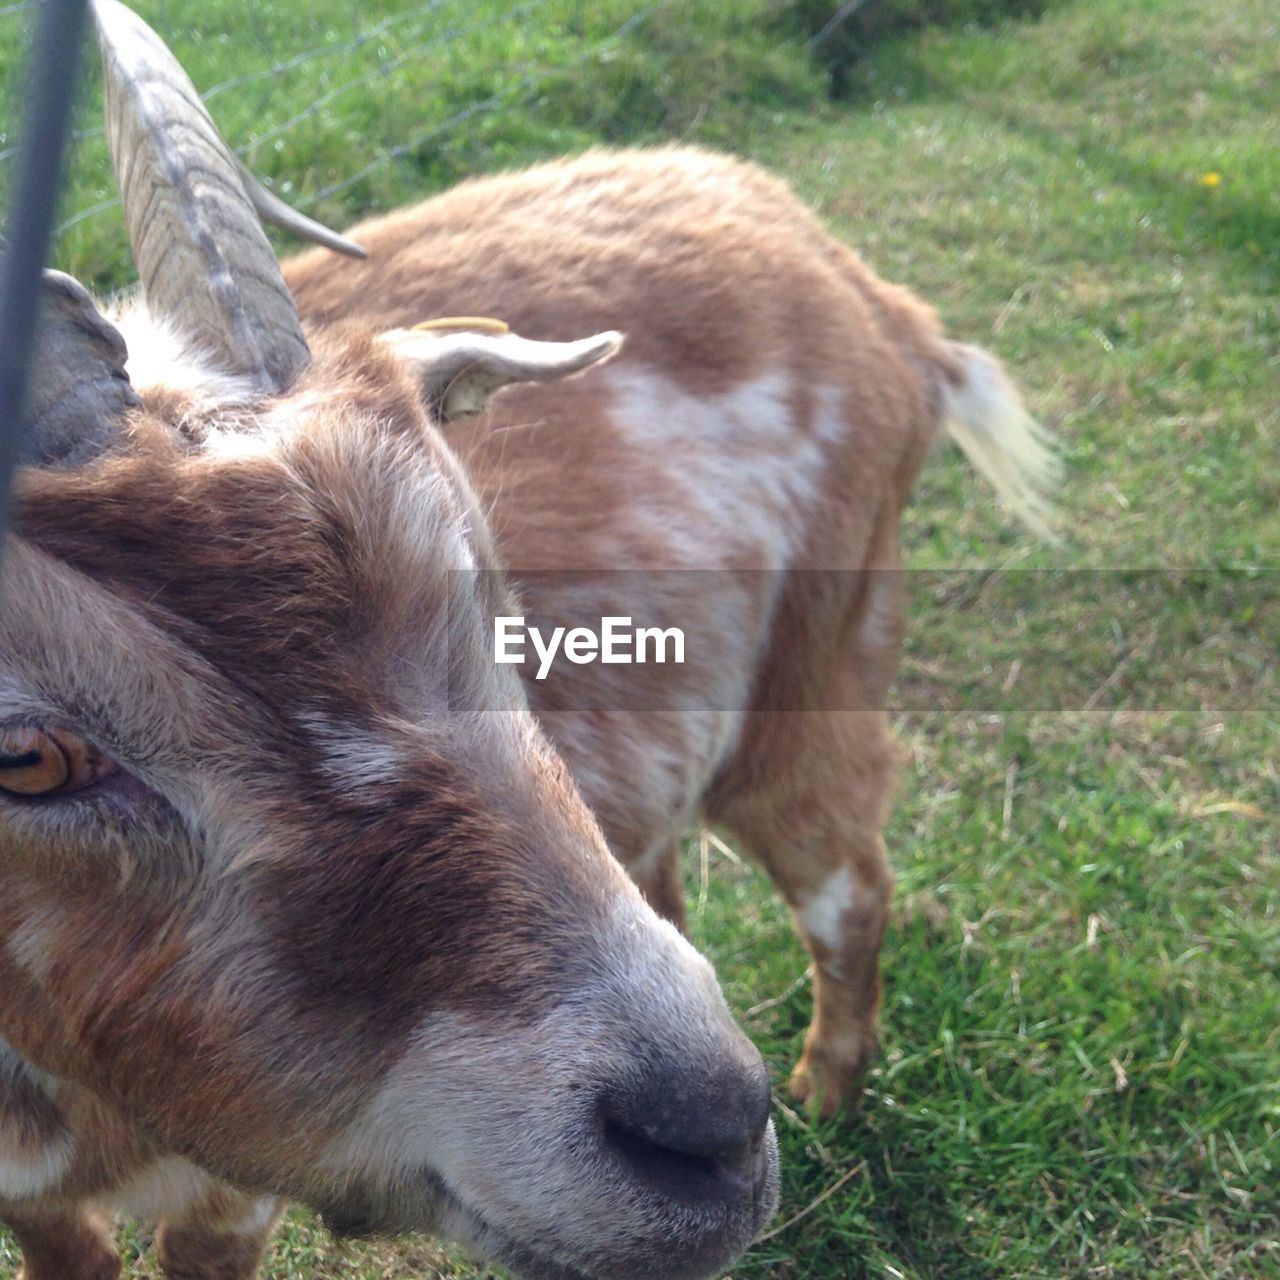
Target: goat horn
81 393
203 258
274 210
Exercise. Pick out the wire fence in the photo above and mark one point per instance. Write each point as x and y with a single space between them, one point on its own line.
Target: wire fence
347 68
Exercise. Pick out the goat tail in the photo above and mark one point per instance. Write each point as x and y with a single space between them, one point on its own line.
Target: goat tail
984 414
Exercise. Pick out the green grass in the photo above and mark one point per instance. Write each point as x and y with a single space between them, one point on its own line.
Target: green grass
1081 1070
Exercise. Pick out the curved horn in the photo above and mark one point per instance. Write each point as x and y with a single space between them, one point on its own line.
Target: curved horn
202 256
80 392
274 210
457 371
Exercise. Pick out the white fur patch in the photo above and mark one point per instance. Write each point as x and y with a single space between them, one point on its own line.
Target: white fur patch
822 915
744 473
882 617
32 943
739 459
164 1189
28 1169
160 356
352 757
260 1215
27 1173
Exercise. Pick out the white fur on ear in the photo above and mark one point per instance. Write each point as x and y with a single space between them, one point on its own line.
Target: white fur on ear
458 371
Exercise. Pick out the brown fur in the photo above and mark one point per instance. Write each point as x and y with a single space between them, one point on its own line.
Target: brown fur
64 1246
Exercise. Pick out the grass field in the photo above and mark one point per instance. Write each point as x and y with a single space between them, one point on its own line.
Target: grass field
1081 1069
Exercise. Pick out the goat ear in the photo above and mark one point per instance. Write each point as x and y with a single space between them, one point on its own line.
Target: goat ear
458 371
80 393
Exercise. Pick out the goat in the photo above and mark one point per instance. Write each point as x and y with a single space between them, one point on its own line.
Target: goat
296 898
345 928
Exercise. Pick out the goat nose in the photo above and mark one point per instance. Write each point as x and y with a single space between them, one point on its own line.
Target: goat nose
693 1136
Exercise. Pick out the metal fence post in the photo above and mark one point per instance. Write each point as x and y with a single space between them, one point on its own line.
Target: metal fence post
51 77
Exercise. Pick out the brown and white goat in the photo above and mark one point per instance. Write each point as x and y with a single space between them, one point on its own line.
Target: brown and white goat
297 895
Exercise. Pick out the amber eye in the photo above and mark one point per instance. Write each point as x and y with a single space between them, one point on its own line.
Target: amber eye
43 762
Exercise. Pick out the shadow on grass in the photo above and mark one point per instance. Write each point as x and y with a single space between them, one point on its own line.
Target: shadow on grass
1226 217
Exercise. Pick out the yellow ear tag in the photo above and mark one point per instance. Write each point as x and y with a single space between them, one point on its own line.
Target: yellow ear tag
485 324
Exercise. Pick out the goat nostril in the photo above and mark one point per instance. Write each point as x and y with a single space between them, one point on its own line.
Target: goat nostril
696 1133
681 1169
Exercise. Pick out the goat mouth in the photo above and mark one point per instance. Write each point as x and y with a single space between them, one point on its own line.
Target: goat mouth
467 1225
451 1218
428 1202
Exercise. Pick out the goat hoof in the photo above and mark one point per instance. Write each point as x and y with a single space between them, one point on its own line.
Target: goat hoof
830 1086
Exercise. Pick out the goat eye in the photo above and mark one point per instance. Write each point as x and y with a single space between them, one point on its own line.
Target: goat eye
44 762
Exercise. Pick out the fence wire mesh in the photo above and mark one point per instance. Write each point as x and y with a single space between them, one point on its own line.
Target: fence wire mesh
343 107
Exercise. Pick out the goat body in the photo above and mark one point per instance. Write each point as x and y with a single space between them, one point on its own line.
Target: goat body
740 469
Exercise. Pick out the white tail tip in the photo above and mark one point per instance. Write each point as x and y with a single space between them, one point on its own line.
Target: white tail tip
986 418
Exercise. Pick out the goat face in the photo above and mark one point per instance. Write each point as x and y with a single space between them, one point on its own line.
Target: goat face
291 885
307 896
